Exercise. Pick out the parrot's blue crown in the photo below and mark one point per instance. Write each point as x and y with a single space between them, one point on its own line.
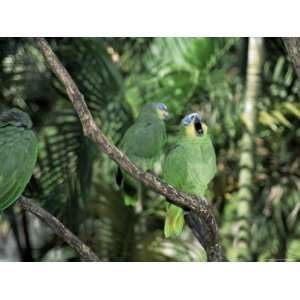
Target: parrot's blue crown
162 106
194 117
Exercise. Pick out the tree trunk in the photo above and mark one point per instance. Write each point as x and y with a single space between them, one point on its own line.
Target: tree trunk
293 48
242 241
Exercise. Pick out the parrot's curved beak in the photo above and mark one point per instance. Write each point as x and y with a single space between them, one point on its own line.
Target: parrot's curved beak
198 126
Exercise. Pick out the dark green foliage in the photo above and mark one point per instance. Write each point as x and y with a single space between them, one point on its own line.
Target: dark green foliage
117 76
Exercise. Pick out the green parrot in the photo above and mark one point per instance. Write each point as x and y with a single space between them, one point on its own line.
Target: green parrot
144 141
189 167
18 155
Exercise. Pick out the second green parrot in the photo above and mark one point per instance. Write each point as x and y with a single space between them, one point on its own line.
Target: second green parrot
144 141
18 154
189 167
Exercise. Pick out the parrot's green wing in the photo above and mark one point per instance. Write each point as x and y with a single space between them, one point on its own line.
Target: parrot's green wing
143 143
18 155
174 173
175 167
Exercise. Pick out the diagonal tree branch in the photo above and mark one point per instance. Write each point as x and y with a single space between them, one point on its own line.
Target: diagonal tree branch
74 242
91 130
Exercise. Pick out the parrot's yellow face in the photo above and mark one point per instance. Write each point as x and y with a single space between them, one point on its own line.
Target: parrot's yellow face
194 127
162 111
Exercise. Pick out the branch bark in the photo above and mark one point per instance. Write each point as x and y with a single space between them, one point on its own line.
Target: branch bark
292 46
84 251
91 130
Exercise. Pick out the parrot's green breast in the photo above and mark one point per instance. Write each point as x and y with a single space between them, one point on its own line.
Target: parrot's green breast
18 155
191 165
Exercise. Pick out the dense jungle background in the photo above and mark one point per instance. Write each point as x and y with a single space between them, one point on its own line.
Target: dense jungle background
253 114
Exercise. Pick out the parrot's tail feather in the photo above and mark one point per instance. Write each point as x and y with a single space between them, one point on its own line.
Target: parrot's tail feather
199 228
119 177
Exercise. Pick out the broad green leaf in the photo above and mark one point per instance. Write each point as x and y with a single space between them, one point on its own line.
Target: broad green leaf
293 108
282 119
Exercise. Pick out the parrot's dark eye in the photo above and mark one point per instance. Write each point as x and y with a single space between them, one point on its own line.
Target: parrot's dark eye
198 127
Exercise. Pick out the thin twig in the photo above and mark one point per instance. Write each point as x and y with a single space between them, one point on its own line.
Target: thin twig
91 130
83 250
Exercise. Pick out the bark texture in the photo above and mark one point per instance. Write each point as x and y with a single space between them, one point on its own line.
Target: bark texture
292 46
84 251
